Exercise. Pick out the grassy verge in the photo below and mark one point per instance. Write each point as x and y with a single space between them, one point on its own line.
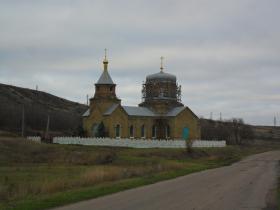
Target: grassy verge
38 176
278 194
72 196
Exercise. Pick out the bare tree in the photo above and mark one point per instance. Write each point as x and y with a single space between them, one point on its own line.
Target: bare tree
234 131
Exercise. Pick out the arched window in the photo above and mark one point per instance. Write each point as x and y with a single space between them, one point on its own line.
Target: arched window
143 131
94 129
131 131
118 131
167 131
154 131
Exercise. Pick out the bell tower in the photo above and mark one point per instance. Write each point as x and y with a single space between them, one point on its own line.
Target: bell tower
105 89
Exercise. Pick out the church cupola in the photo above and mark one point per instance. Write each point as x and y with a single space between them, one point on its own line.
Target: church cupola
105 88
161 92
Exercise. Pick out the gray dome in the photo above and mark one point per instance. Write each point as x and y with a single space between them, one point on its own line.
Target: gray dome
162 76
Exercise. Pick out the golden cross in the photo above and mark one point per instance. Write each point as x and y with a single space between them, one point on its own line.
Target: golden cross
161 63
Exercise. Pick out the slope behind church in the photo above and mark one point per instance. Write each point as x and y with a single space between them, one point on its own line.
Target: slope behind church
161 115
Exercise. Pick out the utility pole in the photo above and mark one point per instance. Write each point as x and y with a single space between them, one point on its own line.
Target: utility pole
22 122
275 122
87 99
221 116
36 87
48 126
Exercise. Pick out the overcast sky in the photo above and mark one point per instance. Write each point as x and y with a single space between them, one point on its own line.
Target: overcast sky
225 53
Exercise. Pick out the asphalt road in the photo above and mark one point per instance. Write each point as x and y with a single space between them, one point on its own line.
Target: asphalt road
247 184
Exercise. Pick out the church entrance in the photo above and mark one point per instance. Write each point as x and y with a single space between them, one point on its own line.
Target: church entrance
186 133
160 129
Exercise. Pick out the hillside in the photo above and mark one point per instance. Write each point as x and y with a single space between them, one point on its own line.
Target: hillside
267 132
65 115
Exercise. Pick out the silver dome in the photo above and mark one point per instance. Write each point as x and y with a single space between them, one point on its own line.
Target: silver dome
161 76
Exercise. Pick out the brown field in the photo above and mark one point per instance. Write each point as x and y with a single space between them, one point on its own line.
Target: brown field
37 172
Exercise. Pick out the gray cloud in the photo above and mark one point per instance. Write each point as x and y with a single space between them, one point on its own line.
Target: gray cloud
225 54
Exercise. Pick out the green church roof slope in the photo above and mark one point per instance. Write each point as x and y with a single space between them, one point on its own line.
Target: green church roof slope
138 111
143 111
86 113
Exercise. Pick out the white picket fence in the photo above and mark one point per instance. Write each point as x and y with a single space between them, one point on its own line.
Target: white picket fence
34 138
135 143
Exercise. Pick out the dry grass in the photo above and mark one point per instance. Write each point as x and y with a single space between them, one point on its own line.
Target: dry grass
30 170
91 176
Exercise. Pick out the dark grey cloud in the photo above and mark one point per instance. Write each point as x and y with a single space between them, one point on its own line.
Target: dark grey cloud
225 54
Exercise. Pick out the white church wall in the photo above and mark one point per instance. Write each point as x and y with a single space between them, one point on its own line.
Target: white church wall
34 138
135 143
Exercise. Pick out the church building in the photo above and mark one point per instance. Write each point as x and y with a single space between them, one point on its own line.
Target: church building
160 115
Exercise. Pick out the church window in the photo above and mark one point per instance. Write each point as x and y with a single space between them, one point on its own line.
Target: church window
118 131
167 131
143 131
154 131
95 129
131 131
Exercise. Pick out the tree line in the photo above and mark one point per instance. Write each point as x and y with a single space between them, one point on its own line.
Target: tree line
233 131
